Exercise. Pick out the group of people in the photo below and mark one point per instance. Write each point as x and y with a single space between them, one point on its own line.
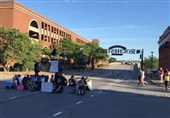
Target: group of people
58 80
79 86
164 76
27 82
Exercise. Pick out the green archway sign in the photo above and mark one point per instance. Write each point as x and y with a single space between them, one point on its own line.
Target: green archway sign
120 50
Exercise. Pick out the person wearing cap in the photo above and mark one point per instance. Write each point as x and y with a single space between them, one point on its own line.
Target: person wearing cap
161 74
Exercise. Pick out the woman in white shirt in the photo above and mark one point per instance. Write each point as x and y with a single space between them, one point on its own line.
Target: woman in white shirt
142 77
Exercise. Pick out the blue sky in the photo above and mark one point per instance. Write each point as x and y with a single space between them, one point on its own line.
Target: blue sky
135 24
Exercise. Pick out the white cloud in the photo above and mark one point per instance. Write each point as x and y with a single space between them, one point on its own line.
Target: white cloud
109 27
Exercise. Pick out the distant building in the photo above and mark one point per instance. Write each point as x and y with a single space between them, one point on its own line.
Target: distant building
95 41
164 49
39 28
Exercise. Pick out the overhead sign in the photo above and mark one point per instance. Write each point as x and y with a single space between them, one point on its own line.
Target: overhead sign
120 50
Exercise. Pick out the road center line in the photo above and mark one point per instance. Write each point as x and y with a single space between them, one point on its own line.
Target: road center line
58 113
13 97
79 102
91 96
36 92
124 77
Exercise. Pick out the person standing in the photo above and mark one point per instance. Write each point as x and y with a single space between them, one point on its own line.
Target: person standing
161 74
36 68
166 80
142 77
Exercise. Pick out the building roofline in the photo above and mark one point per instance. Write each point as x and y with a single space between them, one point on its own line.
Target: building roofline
22 8
165 33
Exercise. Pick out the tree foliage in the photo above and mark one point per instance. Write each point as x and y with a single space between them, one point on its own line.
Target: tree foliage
17 47
150 63
71 50
112 60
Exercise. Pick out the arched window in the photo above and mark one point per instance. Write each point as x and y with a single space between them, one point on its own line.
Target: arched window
33 30
34 24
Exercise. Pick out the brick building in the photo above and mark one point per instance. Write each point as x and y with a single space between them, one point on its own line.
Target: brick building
15 15
164 49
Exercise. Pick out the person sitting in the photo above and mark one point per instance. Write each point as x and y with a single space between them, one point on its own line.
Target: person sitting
58 85
88 83
52 79
72 81
25 82
14 81
80 87
35 83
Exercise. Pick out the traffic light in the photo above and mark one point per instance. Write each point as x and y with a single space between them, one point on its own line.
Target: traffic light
137 51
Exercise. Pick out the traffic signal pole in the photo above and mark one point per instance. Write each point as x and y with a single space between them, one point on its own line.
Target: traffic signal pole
142 59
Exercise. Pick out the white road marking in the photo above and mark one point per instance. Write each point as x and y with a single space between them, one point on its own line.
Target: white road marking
13 97
58 113
124 77
79 102
91 96
36 92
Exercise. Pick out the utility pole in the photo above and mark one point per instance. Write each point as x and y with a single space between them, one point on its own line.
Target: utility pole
142 58
151 63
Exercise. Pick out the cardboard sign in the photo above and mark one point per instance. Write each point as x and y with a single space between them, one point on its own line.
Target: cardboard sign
54 66
46 87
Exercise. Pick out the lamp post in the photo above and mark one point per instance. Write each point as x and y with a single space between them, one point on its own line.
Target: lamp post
141 56
81 54
92 60
151 63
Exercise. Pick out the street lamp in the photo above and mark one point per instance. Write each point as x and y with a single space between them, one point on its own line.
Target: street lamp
141 57
151 63
81 54
92 60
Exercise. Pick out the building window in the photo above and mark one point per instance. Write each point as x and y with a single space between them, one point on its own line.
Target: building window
45 38
60 33
45 26
42 37
48 39
52 29
42 25
48 27
57 31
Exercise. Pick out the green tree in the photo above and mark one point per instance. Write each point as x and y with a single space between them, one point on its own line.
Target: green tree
150 63
17 47
112 60
71 50
95 51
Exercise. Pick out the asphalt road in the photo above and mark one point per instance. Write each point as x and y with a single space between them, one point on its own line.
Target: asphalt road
115 94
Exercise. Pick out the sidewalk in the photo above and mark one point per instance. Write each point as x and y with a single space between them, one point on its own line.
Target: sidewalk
97 71
155 80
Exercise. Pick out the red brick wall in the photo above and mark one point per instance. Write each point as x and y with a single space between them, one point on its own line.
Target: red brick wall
19 17
6 15
164 56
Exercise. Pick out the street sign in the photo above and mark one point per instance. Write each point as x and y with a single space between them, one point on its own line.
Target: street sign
120 50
